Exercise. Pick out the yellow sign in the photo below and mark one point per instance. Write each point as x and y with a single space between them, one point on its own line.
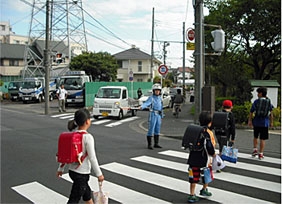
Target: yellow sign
190 46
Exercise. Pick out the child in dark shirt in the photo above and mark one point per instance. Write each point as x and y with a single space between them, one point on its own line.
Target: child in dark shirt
199 159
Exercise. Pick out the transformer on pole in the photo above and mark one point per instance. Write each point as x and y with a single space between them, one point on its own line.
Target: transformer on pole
67 37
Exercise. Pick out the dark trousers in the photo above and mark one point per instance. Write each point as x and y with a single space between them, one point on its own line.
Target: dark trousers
80 187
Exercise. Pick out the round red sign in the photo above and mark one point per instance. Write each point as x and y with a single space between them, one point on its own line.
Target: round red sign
191 35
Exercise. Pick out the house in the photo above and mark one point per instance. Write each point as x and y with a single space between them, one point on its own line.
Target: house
15 47
11 61
135 65
272 90
188 74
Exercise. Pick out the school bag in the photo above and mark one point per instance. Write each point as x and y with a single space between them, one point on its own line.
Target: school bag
221 122
262 107
70 148
193 138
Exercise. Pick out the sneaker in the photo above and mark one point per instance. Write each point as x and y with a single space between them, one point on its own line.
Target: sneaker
192 199
260 156
255 153
204 192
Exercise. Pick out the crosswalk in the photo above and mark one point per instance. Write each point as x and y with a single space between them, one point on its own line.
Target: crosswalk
103 121
254 176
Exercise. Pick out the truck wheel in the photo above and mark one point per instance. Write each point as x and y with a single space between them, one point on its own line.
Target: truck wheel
51 97
120 115
95 117
39 100
133 112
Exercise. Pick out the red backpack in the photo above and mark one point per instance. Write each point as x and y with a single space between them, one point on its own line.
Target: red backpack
70 148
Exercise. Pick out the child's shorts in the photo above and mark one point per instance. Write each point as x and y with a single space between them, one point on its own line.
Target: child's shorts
196 175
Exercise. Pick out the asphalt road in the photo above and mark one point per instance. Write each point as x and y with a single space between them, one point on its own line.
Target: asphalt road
29 145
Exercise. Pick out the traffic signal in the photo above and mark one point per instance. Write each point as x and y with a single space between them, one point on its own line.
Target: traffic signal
219 40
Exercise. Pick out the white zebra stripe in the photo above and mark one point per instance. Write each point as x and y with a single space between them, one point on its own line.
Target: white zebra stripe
238 165
119 193
39 194
177 184
224 176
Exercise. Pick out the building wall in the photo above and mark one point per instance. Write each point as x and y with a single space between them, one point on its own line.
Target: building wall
132 65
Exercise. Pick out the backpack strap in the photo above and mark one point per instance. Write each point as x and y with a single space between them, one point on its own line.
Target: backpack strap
80 155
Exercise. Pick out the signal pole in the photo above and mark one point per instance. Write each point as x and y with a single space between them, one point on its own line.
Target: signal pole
199 57
152 45
47 58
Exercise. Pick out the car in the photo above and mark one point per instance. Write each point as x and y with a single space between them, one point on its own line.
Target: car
165 98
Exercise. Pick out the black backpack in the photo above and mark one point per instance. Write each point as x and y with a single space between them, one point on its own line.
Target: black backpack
221 122
194 138
262 107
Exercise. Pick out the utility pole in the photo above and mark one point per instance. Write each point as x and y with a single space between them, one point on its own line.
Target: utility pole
183 62
152 44
164 50
199 56
47 58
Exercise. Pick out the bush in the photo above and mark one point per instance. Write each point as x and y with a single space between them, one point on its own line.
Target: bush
241 113
276 117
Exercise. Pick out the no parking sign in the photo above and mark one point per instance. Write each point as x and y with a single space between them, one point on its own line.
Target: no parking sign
163 69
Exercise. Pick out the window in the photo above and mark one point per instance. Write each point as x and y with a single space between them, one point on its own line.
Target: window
14 63
139 66
123 94
119 62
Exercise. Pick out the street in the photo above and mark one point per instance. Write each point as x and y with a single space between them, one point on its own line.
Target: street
133 174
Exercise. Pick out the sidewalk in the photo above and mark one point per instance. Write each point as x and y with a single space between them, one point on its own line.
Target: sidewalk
172 126
175 127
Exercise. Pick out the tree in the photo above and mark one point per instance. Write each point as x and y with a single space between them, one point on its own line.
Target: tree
102 66
253 41
253 30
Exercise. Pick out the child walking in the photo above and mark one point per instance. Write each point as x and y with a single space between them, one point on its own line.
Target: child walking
229 137
199 159
80 173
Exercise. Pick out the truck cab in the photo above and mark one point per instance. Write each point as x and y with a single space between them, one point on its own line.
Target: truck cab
74 82
13 90
33 89
113 101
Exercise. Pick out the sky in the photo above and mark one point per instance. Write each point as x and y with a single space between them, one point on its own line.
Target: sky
130 23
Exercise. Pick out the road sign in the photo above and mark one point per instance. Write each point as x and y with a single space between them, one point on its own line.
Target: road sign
190 46
190 35
163 69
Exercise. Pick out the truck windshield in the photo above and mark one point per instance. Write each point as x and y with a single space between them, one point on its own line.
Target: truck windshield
14 85
108 93
28 85
72 83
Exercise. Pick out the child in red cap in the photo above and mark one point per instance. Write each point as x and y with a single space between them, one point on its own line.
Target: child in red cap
227 107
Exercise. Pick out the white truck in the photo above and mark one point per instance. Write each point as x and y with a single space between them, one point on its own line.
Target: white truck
33 89
74 82
113 101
